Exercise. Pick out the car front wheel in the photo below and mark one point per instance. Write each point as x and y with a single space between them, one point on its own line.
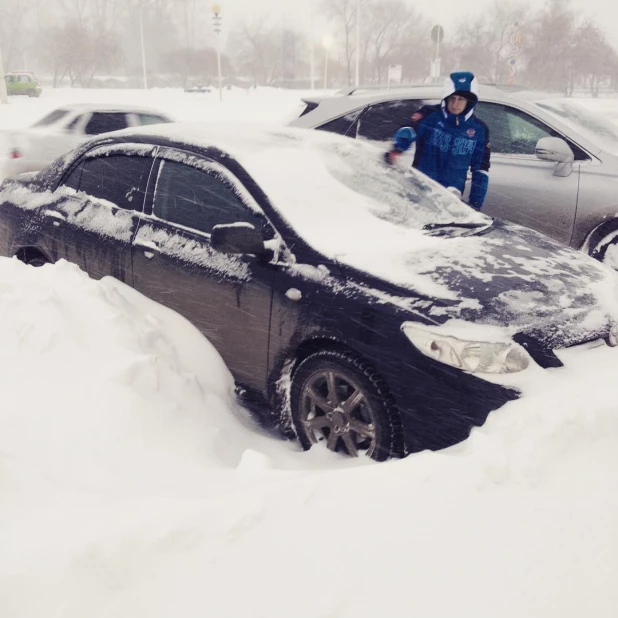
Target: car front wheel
606 251
337 398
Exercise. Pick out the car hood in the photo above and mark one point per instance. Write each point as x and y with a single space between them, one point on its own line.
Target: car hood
514 278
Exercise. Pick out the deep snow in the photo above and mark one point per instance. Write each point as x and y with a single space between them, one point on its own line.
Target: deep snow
131 484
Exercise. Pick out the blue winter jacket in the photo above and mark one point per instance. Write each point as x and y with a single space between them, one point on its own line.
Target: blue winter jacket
447 146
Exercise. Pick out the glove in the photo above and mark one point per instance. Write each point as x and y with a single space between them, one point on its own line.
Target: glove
391 156
404 138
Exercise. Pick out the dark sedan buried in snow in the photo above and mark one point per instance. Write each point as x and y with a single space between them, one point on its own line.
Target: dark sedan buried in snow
353 304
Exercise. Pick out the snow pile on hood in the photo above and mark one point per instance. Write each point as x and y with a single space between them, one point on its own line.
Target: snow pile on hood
131 485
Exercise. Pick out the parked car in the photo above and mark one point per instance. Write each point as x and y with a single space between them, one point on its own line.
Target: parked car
199 88
22 83
554 164
63 129
353 304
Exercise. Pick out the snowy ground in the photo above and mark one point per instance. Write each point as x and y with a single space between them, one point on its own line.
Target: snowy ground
132 485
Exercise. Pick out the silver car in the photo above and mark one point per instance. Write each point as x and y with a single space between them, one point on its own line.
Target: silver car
554 164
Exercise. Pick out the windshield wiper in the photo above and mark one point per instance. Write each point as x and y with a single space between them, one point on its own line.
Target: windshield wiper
465 226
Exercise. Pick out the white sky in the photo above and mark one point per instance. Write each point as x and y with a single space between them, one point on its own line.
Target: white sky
445 12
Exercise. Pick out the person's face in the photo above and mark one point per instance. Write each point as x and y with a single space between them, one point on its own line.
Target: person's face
456 104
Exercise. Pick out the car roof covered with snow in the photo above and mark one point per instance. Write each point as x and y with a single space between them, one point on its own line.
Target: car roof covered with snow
107 107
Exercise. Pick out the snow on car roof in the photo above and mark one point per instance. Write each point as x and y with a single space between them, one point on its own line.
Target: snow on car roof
109 107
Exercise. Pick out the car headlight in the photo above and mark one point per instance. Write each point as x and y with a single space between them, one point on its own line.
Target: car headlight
613 336
471 356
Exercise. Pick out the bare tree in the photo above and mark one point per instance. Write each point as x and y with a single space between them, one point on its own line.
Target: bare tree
343 15
550 52
391 22
16 30
485 43
257 51
593 59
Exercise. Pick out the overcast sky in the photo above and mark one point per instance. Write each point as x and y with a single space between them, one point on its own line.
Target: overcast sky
445 12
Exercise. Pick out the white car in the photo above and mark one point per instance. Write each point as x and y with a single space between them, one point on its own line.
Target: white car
33 148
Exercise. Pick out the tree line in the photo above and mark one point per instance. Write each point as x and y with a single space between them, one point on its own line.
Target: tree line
89 42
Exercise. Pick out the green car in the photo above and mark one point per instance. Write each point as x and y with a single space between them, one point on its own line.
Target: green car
22 83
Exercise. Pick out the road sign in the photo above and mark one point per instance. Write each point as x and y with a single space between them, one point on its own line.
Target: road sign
437 34
394 73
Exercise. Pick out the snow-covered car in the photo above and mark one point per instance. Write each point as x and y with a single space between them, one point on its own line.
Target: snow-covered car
63 129
197 89
353 304
554 164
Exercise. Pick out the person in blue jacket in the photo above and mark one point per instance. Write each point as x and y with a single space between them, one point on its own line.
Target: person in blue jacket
451 141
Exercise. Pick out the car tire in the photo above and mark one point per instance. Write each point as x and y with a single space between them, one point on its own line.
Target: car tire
322 385
32 257
37 262
600 251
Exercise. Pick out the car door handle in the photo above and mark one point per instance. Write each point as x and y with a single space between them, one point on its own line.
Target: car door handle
57 216
149 248
294 294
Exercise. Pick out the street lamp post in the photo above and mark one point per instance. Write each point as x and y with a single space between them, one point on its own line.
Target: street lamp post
327 42
4 98
216 24
311 35
141 31
358 7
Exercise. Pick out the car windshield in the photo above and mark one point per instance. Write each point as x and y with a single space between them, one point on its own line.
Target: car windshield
402 198
590 125
350 206
51 118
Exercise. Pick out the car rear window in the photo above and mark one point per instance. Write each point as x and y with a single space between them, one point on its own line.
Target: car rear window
146 119
103 122
309 108
381 120
51 118
342 125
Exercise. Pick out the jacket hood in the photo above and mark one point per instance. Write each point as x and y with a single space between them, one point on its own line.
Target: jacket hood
465 84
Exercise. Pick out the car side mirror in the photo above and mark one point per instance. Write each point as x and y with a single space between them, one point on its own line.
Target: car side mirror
556 149
237 238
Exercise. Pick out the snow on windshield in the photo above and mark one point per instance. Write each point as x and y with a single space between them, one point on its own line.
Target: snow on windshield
346 204
590 125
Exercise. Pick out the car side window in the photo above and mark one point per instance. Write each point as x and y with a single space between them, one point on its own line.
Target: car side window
146 119
342 125
198 199
73 124
381 121
102 122
120 179
73 178
512 131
